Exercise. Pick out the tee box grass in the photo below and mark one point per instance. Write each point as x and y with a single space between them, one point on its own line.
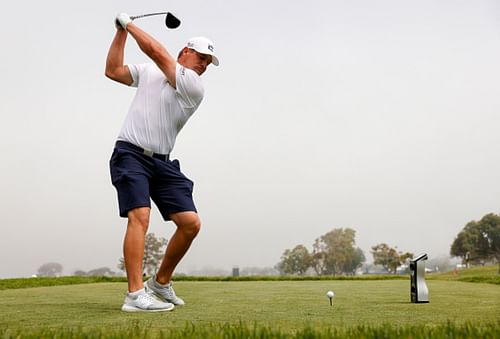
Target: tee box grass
288 306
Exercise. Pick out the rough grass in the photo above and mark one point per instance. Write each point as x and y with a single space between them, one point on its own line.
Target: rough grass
72 280
54 281
483 274
212 331
486 274
479 274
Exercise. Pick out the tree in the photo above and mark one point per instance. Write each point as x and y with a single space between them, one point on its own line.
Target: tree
489 227
357 261
479 240
51 269
101 271
154 250
389 257
295 261
464 245
335 253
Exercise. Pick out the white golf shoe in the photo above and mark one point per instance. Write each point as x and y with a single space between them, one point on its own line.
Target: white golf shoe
145 302
164 292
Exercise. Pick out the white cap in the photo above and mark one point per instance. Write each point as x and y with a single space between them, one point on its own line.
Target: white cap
204 46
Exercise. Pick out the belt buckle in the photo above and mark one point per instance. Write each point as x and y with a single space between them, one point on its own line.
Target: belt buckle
148 152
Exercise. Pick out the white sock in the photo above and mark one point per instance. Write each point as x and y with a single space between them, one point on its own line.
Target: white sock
160 285
136 293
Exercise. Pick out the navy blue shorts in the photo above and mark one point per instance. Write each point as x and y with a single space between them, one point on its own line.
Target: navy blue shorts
140 178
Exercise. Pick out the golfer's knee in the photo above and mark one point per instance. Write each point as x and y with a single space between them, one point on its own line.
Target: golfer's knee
191 227
139 218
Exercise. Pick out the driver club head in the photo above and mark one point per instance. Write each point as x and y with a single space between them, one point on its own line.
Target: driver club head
171 21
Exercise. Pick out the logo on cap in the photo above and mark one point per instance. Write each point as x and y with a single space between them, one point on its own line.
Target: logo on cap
211 48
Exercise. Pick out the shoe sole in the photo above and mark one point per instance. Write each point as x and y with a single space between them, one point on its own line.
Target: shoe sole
133 309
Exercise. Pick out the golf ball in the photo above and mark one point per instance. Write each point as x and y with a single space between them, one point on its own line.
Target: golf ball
330 294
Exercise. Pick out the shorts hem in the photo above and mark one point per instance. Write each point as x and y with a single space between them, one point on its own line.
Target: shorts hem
167 217
124 214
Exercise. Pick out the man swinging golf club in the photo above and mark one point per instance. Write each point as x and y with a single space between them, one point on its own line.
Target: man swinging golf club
168 92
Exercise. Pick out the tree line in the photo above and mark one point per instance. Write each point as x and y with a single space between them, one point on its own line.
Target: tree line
336 253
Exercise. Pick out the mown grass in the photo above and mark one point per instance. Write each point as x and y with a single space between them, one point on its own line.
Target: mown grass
286 306
368 307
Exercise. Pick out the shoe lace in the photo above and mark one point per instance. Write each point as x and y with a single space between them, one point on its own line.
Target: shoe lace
148 298
171 291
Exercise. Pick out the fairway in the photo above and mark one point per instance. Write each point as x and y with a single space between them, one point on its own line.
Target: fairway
284 305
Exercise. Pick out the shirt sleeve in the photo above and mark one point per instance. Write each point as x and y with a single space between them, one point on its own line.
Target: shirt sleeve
189 88
135 71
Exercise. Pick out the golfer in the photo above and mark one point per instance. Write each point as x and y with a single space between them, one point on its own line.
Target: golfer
168 92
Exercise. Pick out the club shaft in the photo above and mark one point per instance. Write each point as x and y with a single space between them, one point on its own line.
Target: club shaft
145 15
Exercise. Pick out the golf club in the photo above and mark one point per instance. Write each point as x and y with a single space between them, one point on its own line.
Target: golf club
171 20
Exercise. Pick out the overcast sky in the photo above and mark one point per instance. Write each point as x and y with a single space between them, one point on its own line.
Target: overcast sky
381 116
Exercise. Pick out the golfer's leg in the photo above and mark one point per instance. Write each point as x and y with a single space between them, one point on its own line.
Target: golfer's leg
188 226
133 246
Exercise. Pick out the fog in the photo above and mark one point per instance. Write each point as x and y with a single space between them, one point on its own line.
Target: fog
381 116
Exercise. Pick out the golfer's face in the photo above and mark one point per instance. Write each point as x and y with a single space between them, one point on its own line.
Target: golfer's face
196 61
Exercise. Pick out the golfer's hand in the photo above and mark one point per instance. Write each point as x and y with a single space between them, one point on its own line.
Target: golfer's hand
122 20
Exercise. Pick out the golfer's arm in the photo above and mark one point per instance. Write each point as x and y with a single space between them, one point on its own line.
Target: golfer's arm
114 62
155 51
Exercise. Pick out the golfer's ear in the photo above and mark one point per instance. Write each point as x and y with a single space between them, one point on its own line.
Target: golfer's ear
182 52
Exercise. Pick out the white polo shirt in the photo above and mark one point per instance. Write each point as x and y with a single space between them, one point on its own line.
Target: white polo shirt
158 111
